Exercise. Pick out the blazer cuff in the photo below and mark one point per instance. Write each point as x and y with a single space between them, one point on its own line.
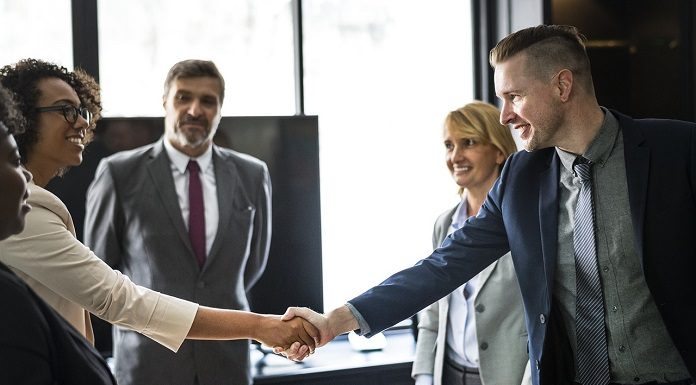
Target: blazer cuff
171 321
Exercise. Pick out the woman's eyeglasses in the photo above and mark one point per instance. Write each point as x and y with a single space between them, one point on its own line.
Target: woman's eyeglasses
70 113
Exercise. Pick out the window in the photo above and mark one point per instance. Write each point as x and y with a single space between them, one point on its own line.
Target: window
36 29
381 75
249 41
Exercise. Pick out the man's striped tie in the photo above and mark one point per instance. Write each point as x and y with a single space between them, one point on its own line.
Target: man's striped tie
592 356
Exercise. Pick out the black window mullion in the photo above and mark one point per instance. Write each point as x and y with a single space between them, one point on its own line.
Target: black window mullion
85 36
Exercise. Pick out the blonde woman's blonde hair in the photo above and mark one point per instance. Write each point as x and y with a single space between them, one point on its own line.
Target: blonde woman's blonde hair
481 121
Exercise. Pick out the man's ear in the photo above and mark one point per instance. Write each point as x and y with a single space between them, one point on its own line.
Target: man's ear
565 84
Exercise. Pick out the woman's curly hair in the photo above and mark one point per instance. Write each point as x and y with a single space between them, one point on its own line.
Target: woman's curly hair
10 117
22 78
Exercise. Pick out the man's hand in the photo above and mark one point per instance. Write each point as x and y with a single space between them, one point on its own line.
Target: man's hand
336 322
297 333
320 321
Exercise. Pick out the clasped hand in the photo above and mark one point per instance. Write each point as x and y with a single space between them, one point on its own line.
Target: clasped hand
296 335
299 350
300 330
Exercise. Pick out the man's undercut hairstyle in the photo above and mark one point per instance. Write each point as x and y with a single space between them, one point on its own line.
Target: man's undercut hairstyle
548 49
193 69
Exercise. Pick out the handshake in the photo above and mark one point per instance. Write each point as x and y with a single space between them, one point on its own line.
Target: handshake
298 332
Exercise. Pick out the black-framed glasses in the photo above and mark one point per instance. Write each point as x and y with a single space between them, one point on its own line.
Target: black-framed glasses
70 113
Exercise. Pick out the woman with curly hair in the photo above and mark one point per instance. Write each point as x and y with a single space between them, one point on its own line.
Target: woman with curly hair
29 77
61 108
37 346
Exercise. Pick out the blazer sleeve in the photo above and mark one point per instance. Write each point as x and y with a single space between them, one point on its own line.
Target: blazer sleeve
48 252
25 337
38 346
261 233
103 217
462 255
429 318
424 360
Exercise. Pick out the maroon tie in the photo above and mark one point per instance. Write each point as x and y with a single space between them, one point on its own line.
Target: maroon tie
196 212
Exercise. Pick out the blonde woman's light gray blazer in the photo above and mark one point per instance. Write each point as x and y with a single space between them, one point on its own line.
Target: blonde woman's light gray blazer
500 328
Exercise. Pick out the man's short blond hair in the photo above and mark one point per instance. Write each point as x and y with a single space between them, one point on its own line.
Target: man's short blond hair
548 49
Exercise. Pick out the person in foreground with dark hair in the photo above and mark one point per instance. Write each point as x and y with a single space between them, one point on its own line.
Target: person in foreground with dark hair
599 213
61 108
37 346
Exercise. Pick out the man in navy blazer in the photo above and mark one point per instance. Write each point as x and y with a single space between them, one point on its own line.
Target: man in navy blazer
645 227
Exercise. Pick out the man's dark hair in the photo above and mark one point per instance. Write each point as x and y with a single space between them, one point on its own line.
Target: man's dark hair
22 78
548 48
11 120
193 68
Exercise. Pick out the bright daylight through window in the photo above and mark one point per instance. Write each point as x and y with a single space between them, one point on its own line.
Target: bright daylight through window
36 29
250 41
382 75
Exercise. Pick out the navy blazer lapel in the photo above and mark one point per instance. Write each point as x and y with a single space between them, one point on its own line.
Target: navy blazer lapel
637 161
226 183
548 216
160 171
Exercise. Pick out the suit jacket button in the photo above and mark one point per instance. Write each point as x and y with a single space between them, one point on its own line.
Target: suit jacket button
542 318
480 308
536 362
484 346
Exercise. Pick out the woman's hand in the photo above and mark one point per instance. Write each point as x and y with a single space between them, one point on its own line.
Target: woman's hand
297 333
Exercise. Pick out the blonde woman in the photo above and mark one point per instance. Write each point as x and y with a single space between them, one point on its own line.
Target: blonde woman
476 334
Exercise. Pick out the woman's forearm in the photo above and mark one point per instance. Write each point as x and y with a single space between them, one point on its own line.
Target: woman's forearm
222 324
218 324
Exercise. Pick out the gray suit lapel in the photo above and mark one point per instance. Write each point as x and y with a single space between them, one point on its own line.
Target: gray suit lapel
442 225
160 172
226 184
485 274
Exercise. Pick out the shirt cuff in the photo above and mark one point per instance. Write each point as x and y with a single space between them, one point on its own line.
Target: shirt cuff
364 328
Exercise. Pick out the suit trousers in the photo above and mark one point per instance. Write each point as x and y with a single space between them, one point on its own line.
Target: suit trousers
455 374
